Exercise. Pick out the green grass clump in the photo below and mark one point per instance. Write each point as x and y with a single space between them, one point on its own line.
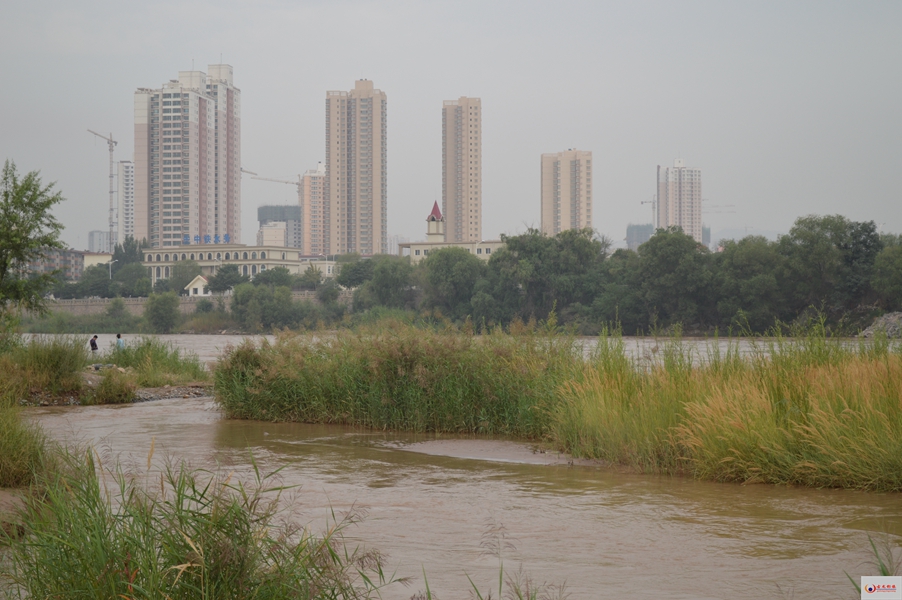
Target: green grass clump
188 535
21 447
397 376
114 388
806 410
48 363
156 363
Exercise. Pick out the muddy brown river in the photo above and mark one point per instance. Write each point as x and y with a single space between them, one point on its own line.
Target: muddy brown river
430 500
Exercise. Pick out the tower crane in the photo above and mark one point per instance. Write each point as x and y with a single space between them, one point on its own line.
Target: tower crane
112 144
299 183
654 209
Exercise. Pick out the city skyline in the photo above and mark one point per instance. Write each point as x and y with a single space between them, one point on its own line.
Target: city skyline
764 87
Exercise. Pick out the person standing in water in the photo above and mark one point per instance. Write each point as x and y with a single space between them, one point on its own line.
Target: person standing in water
120 345
93 345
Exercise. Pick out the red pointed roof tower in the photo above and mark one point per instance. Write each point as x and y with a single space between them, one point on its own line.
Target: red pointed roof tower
435 231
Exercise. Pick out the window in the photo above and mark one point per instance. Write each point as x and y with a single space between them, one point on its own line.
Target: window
488 250
195 291
192 256
253 256
245 258
227 256
263 255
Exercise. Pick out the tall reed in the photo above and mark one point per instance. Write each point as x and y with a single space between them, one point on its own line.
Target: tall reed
397 376
806 410
189 535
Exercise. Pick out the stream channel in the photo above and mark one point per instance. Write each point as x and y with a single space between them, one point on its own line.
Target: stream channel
430 500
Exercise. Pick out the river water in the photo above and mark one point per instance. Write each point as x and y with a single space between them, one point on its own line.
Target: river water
430 500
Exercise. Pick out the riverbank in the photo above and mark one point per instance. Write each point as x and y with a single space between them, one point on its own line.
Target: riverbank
810 411
594 528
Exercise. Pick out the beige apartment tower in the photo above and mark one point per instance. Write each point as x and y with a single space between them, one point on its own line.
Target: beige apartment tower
462 169
355 211
312 211
680 199
188 160
566 191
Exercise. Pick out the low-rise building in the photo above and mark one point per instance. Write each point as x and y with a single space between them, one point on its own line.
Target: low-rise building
198 287
250 260
70 263
435 240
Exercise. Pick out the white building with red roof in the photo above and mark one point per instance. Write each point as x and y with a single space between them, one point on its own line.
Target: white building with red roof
435 240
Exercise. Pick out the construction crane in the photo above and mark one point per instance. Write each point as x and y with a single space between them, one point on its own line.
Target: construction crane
654 208
112 144
243 170
298 183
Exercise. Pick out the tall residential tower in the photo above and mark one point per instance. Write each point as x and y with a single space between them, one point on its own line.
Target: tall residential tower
126 210
680 199
566 191
462 169
355 193
188 160
312 209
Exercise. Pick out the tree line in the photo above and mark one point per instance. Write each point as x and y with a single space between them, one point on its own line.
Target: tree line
842 269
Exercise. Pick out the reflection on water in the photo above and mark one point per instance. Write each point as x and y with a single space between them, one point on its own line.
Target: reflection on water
608 535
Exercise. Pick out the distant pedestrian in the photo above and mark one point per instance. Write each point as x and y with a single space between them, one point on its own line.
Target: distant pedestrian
94 345
120 345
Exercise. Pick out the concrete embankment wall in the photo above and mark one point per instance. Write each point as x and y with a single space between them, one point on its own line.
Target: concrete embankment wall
135 306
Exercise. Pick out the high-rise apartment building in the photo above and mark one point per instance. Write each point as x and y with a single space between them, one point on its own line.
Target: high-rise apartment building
188 160
680 199
566 191
313 214
126 200
462 169
355 211
99 241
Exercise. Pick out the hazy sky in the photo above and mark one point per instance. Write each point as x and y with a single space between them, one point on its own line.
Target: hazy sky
789 108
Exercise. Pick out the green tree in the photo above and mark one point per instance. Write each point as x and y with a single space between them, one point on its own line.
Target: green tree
127 253
226 278
830 261
675 279
451 275
311 279
275 277
391 281
355 273
328 292
888 277
95 281
750 284
620 301
162 312
134 280
183 273
28 231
